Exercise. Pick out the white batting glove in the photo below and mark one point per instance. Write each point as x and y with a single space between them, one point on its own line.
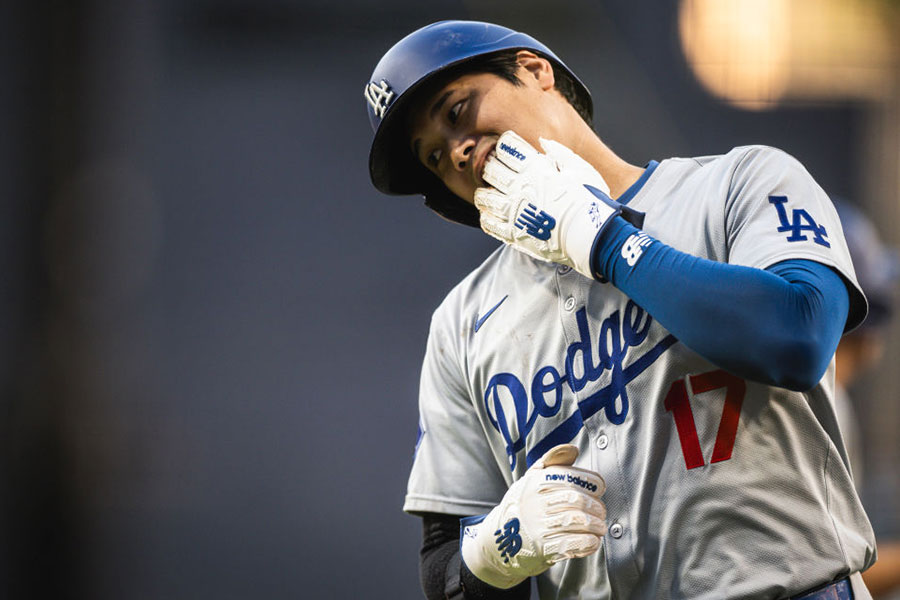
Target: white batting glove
552 513
538 203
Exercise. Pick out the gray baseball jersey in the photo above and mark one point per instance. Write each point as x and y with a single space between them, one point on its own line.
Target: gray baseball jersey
717 487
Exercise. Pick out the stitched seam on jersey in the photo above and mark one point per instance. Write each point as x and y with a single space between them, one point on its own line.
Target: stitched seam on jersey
447 500
730 202
465 387
740 163
828 503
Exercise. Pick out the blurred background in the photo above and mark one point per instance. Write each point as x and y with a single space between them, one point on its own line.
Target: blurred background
214 324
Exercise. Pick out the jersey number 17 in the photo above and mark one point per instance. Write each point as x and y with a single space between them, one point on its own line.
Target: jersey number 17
678 403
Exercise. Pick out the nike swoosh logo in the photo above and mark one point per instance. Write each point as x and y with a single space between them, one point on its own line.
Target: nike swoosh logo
480 322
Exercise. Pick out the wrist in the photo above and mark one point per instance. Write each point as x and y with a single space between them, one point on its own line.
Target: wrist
479 555
587 226
608 246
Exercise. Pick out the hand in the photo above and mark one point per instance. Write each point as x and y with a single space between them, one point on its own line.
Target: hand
552 513
542 204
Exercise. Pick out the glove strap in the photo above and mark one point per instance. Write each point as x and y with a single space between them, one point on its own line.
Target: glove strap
453 585
634 217
478 563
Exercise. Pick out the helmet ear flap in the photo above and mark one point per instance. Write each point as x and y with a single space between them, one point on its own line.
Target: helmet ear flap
452 208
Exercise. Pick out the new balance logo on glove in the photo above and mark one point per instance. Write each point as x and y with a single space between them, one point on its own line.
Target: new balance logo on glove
542 203
539 522
573 480
509 542
512 151
536 224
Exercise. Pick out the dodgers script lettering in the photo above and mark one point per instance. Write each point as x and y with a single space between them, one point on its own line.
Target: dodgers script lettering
584 364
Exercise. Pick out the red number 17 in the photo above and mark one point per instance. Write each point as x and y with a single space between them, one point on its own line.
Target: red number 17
678 403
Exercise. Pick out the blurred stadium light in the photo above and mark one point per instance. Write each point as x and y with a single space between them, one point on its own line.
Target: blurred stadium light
757 53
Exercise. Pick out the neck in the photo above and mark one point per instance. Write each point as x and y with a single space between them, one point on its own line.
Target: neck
619 175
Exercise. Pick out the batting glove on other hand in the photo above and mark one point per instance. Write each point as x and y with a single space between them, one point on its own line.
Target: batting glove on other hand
542 204
552 513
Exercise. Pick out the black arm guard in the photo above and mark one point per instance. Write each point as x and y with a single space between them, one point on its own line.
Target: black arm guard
443 574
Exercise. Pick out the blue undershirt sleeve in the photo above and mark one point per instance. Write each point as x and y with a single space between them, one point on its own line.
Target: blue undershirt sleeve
778 326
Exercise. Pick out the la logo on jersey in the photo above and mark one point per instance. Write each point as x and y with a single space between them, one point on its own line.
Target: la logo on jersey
379 96
800 221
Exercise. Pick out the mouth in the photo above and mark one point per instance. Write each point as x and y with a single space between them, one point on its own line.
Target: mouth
484 149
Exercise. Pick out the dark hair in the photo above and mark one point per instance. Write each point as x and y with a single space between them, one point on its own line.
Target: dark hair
505 64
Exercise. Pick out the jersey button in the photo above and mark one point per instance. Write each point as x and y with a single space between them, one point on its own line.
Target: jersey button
570 303
616 530
602 442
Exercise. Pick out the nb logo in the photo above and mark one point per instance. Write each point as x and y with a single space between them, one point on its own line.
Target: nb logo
512 151
379 96
536 224
634 246
509 542
800 221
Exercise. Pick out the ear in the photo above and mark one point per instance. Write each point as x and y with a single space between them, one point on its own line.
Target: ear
537 68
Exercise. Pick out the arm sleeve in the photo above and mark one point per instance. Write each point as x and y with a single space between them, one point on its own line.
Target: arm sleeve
454 469
775 211
440 555
779 326
773 309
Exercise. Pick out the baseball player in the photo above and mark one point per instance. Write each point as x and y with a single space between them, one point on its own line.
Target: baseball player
633 396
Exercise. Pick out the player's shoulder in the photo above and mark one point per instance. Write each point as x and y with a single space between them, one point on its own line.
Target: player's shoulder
759 153
751 165
733 165
767 168
744 156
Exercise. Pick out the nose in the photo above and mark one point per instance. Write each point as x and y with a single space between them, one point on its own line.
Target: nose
461 152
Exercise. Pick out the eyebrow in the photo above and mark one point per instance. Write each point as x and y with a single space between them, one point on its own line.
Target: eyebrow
417 144
437 105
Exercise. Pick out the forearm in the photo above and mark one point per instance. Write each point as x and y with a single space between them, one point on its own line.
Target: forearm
779 326
440 555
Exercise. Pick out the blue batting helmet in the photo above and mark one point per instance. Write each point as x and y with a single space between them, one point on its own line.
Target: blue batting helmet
411 62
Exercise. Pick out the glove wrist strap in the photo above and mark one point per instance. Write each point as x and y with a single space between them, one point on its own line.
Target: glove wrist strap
474 546
452 583
587 228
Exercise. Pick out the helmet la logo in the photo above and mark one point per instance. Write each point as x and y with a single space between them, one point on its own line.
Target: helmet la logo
379 96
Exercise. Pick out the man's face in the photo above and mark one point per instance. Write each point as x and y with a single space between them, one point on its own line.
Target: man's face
456 128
